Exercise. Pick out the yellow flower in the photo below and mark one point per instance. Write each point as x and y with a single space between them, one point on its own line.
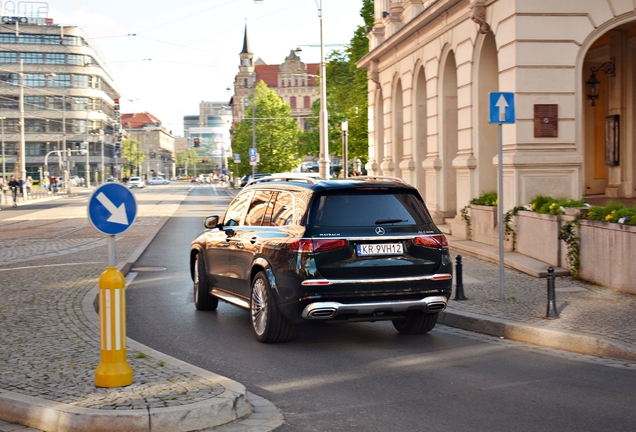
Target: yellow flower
496 202
608 217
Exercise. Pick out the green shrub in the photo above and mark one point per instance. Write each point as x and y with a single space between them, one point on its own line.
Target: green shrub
486 199
554 206
613 212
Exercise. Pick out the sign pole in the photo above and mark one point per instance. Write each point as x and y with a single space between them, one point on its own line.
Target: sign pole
500 206
502 111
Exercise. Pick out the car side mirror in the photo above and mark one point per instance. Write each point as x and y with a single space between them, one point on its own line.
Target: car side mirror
211 222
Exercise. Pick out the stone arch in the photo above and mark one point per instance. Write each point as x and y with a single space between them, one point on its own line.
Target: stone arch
612 40
486 78
420 130
448 131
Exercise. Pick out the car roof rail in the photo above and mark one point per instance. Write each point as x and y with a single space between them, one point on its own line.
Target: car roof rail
383 178
285 177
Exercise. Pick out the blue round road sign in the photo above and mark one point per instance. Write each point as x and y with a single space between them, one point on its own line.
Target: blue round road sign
112 208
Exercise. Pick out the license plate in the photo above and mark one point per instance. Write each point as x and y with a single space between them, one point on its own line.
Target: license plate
380 249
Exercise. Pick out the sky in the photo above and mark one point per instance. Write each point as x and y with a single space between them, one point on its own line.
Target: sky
167 56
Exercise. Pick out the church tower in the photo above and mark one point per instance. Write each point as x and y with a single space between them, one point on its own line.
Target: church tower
244 80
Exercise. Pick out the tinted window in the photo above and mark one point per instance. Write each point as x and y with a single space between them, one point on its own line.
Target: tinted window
283 210
261 203
365 208
236 210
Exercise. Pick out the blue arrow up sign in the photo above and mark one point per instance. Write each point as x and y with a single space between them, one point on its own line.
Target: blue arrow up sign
112 209
502 108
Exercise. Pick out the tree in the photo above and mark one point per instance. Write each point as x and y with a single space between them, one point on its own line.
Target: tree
130 151
277 134
187 159
346 97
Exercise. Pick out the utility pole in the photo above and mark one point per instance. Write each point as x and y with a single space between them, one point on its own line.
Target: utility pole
22 152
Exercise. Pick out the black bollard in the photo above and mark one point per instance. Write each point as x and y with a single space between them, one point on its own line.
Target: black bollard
459 282
552 309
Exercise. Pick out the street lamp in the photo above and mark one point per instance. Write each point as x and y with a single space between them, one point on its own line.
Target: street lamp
4 168
254 124
323 161
345 156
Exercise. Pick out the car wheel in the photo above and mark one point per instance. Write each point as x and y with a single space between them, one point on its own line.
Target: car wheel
416 323
203 300
268 324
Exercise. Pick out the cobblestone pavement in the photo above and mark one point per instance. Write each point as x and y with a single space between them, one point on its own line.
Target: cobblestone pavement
49 261
582 307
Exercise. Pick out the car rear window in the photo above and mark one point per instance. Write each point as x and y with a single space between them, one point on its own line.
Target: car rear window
368 208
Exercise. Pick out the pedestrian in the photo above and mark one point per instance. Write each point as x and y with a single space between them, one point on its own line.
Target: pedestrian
46 182
15 188
28 184
53 181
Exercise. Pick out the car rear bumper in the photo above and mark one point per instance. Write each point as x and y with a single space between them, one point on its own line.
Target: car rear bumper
331 310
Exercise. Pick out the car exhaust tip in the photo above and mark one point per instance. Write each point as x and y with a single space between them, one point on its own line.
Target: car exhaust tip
326 313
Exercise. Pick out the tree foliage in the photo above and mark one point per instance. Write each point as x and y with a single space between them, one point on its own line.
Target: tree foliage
277 134
130 151
188 159
346 97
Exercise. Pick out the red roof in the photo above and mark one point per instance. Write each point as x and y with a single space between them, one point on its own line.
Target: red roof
269 74
139 120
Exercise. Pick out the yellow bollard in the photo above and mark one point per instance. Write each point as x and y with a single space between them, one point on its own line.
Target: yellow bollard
113 369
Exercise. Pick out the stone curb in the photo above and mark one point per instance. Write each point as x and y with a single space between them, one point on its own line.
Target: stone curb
576 342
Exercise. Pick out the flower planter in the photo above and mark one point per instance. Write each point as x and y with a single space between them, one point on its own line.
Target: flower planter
607 254
459 228
537 236
483 223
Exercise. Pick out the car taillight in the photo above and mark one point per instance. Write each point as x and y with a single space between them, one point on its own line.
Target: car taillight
327 245
308 245
434 241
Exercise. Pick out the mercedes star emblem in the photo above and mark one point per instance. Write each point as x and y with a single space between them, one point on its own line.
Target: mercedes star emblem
379 231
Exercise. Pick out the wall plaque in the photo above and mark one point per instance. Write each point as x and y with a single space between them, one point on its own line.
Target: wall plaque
546 120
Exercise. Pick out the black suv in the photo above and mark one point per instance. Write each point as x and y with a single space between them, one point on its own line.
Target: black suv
295 248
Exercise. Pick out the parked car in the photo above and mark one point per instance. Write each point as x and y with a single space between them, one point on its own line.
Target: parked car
112 180
158 181
137 182
296 248
248 178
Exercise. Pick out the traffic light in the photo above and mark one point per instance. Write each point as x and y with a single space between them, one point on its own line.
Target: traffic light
196 142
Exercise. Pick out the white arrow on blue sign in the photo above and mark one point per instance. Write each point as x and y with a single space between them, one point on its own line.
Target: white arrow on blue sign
112 208
502 108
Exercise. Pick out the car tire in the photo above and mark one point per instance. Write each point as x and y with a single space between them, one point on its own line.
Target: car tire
416 323
203 300
267 322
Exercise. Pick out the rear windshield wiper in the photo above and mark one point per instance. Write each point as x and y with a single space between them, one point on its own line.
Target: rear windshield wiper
388 221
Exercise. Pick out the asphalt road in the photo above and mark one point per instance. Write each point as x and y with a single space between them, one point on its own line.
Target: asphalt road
365 376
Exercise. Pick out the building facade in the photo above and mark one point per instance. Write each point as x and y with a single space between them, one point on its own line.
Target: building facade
155 142
212 127
68 99
293 81
570 64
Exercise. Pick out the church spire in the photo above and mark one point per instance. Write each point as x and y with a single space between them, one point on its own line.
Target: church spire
246 43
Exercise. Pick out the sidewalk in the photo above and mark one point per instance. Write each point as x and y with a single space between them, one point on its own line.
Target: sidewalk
592 320
50 343
49 267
